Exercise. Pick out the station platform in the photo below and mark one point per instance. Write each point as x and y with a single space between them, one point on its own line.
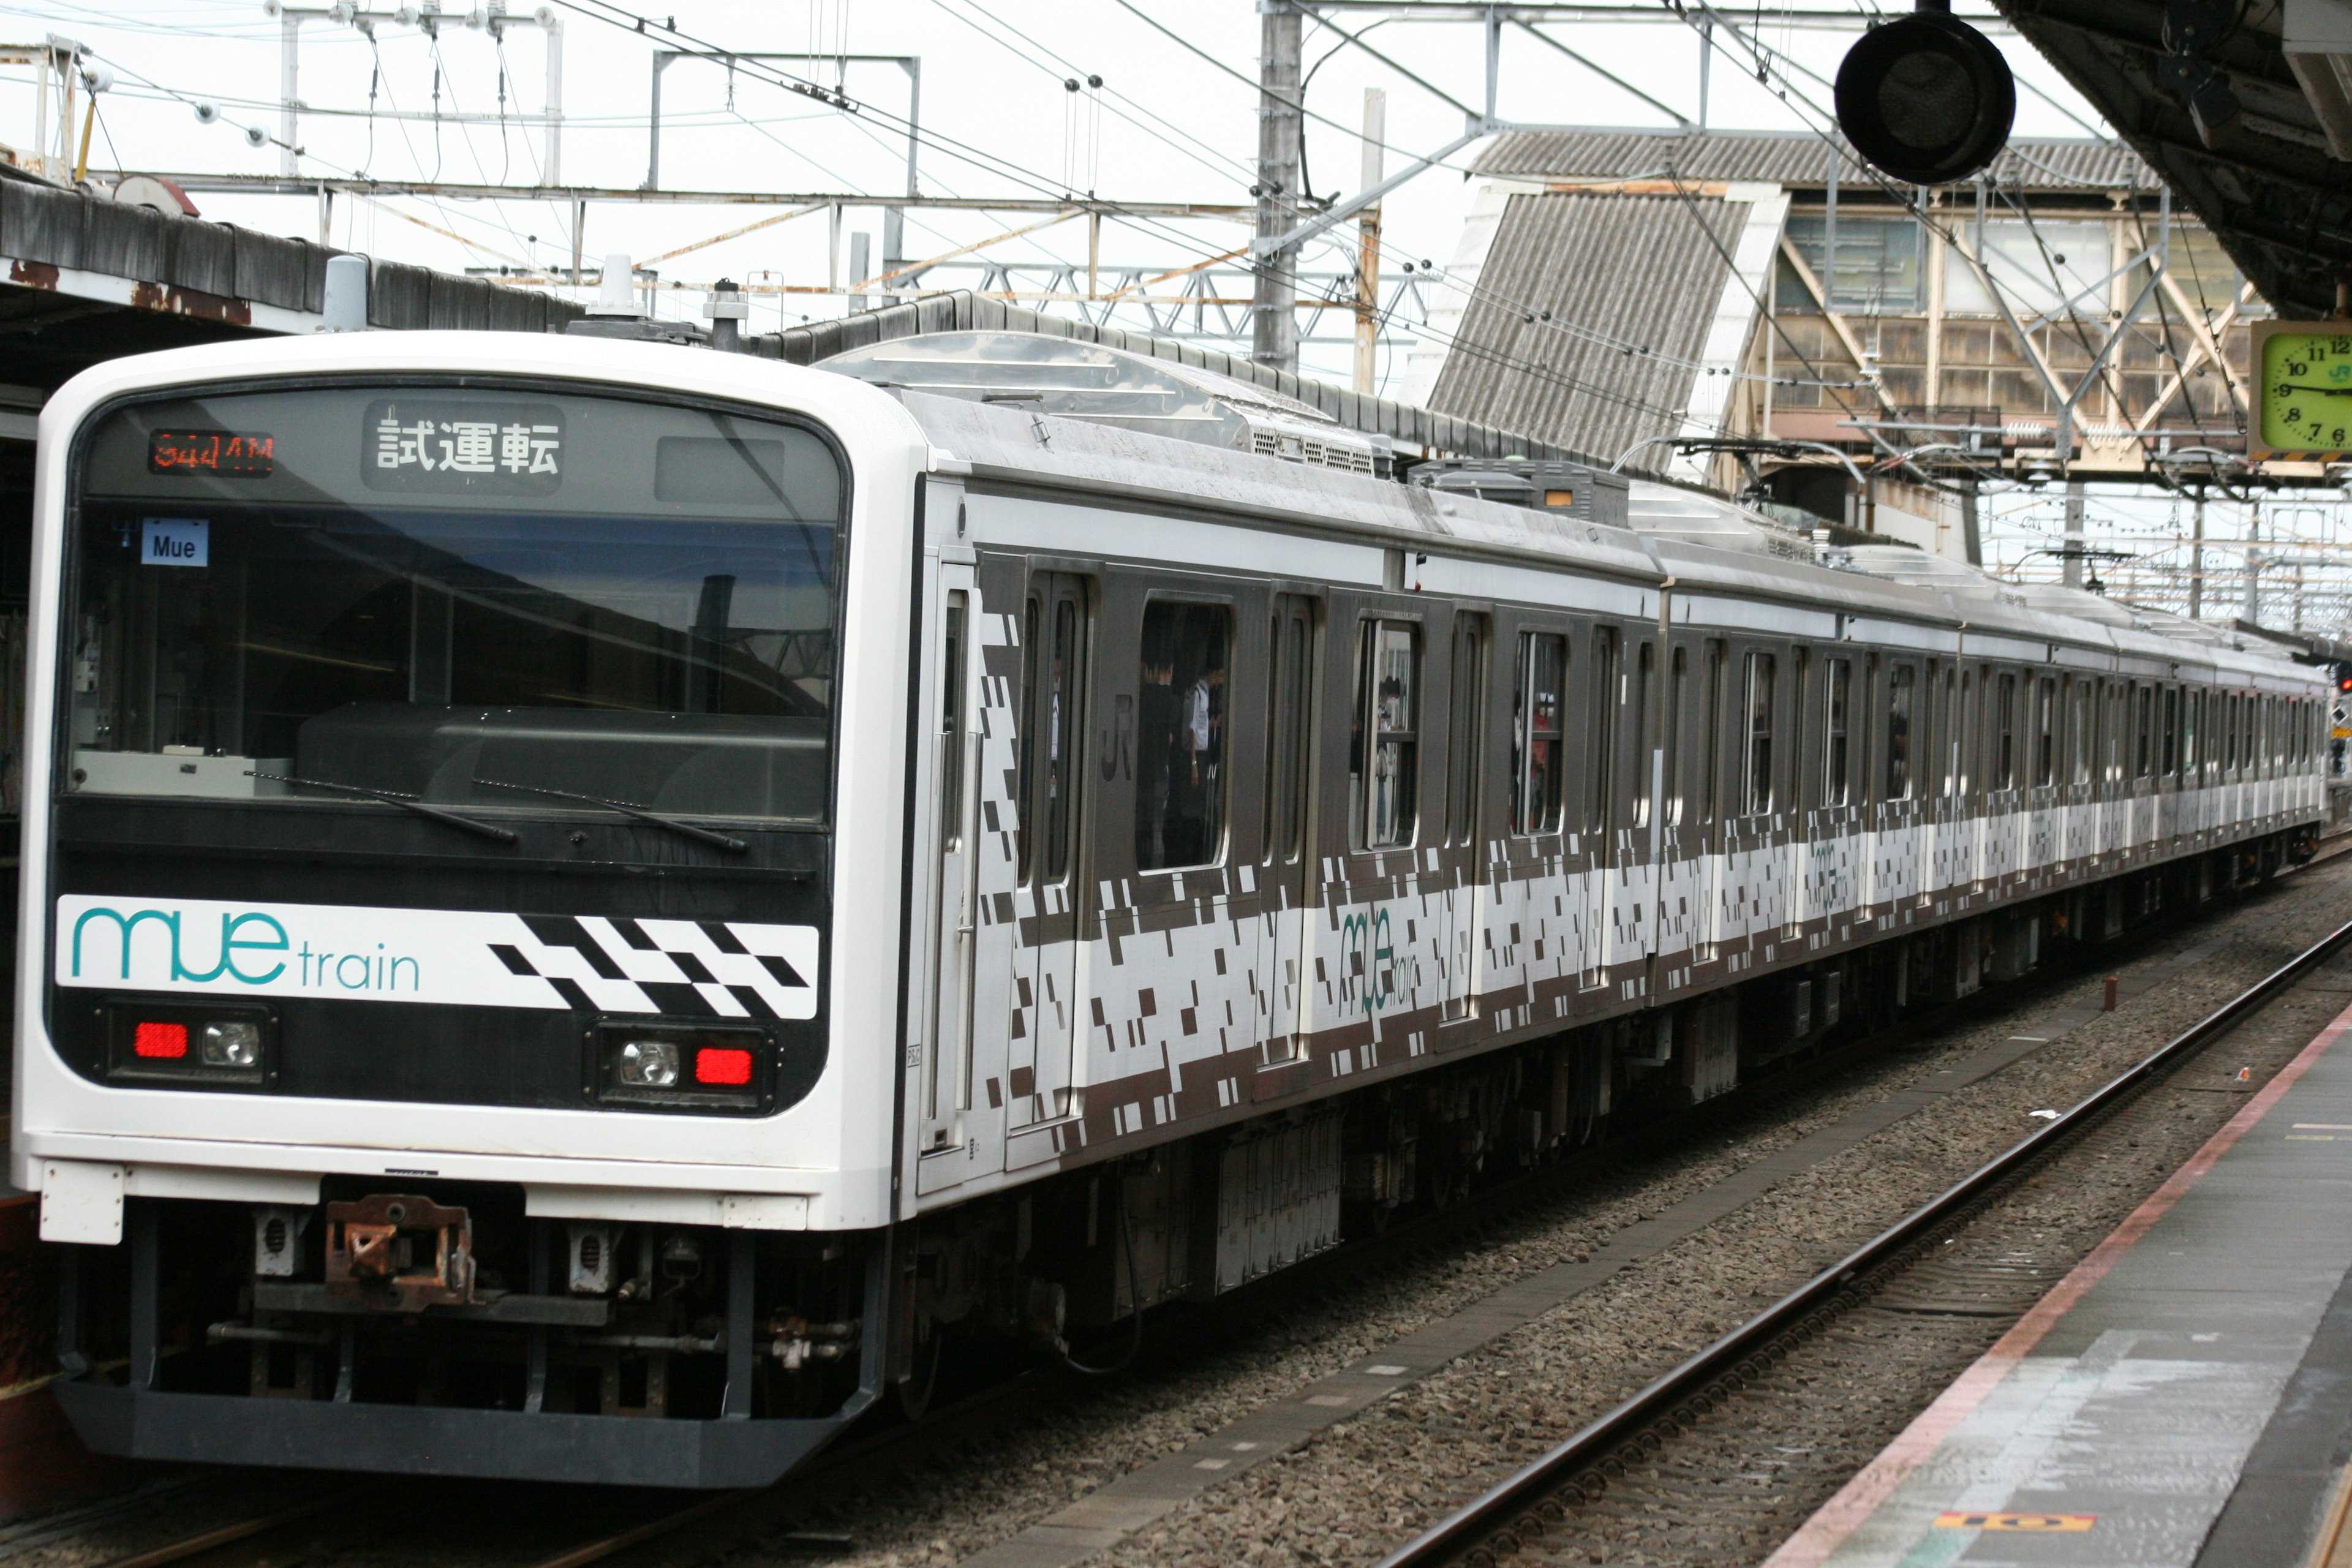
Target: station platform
2182 1399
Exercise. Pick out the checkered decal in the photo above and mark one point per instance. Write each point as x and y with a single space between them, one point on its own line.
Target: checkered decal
726 968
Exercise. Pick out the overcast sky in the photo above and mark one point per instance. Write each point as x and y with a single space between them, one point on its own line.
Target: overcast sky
1168 124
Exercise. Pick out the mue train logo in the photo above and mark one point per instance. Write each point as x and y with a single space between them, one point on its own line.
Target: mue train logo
463 957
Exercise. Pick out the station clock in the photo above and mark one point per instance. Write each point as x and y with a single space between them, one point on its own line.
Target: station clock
2303 402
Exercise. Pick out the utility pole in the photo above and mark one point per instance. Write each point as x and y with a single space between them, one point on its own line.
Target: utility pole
2072 557
2197 557
1367 246
289 83
1274 319
2253 563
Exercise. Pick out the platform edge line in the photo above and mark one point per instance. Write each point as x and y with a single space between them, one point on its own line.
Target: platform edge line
1861 1498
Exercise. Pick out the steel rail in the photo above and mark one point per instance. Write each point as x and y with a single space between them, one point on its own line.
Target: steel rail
1493 1512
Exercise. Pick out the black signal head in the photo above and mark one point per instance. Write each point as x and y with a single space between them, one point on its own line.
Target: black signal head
1926 99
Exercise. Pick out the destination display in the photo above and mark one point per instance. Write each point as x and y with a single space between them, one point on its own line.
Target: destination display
478 448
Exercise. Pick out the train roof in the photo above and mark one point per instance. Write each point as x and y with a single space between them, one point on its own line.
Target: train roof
1701 543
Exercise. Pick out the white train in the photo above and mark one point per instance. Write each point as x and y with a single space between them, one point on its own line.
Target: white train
593 908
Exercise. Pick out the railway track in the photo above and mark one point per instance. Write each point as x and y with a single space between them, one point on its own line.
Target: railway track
661 1525
1513 1518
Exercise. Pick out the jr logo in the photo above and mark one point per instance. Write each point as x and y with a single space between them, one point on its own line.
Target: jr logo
1367 962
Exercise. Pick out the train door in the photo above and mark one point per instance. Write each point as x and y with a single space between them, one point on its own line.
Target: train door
1596 855
1286 862
1708 832
1458 858
1791 826
1751 892
954 870
1834 838
1933 784
2081 838
1534 875
1050 890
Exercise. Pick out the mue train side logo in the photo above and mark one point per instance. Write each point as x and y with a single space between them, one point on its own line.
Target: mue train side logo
453 957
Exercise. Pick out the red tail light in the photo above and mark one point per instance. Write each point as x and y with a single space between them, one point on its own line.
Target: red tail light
714 1064
164 1041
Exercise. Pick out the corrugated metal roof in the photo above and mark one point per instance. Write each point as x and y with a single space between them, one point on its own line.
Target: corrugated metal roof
964 311
1637 270
229 267
1784 158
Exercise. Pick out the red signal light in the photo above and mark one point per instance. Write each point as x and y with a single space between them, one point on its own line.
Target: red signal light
722 1065
166 1042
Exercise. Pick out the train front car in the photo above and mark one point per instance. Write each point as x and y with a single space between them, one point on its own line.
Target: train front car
431 1025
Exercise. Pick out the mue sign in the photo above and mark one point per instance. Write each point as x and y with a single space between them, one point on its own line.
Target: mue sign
222 452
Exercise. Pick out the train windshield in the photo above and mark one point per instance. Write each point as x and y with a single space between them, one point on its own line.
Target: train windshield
447 593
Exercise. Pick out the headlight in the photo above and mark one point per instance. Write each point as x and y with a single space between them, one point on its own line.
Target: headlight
232 1045
672 1066
191 1045
647 1064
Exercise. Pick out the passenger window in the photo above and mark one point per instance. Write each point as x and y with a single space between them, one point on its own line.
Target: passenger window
2077 725
1710 781
2045 732
1180 723
1289 646
2004 733
2172 732
951 722
1835 788
2192 720
1759 734
1644 743
1538 693
1600 740
1677 706
1898 732
1466 712
1389 698
1054 650
1966 743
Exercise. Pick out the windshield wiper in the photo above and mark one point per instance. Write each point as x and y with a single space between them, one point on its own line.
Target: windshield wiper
732 845
405 802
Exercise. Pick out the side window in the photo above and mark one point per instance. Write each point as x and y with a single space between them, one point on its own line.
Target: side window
951 724
2078 731
1710 781
1678 751
1390 698
1898 732
1965 740
1538 694
2143 731
1646 670
1759 760
2004 733
1600 740
2045 732
2230 733
2192 723
2171 731
1836 788
1466 712
1290 664
1180 724
1053 679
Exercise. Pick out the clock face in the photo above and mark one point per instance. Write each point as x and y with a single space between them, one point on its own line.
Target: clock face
2307 392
